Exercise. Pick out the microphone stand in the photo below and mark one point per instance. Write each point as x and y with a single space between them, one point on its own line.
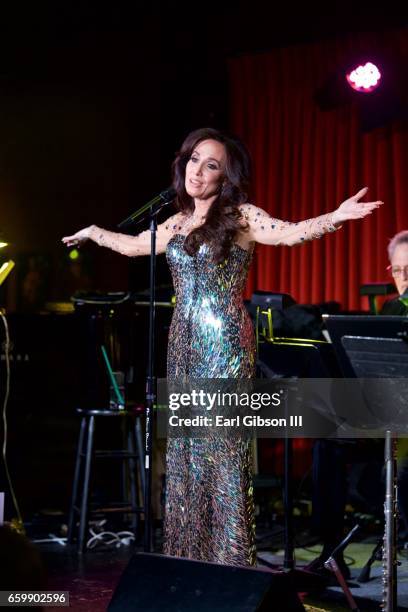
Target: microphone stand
331 564
150 210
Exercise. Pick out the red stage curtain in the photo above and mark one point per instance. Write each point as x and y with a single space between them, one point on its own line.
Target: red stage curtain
307 161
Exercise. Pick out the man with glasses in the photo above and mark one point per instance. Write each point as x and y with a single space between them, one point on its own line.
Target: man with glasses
330 459
398 256
398 268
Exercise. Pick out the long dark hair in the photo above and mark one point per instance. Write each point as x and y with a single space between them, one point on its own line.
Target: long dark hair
223 219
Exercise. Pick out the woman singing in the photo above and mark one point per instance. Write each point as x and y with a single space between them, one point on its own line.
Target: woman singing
209 244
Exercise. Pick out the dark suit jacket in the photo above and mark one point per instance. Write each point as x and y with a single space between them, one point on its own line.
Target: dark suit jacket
394 307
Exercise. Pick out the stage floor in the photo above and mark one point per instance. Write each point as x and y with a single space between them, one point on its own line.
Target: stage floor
368 596
91 579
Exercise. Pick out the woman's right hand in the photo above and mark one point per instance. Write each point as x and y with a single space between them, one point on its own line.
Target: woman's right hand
79 238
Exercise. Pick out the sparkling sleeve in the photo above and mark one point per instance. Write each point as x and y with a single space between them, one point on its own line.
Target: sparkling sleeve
133 246
121 243
268 230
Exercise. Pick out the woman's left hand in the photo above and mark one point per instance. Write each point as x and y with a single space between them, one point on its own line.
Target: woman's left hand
79 238
354 209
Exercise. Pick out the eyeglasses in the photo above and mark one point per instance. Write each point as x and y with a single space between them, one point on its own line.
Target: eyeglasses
397 271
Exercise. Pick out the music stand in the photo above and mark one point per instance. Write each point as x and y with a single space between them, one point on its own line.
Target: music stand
371 326
383 357
294 358
373 290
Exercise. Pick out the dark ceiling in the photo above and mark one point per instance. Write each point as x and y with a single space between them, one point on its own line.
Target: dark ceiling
167 57
95 98
179 39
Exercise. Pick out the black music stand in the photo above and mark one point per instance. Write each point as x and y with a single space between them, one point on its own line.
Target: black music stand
295 358
371 326
373 290
383 357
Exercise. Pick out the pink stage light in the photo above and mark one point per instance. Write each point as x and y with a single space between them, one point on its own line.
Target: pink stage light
364 78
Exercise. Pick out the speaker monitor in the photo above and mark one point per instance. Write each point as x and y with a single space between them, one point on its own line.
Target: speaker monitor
157 582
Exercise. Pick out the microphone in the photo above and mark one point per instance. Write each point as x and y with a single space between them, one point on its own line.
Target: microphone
163 199
344 542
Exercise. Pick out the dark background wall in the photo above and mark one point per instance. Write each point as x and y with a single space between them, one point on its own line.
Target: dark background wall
95 100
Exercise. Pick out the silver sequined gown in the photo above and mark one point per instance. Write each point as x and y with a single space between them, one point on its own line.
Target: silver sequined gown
209 498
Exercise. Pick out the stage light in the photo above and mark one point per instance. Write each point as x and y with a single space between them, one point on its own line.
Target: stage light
364 78
3 244
380 74
74 254
5 270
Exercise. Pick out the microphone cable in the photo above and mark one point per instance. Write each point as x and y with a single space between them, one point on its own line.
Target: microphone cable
17 523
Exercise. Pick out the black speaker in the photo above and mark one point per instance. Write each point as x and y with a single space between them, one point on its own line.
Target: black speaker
156 582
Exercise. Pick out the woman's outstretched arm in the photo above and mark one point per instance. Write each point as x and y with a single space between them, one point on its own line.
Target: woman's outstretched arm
265 229
131 246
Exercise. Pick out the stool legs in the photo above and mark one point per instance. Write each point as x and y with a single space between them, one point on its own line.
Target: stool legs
132 455
83 520
74 498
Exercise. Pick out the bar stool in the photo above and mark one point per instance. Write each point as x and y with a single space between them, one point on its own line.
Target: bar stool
131 454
